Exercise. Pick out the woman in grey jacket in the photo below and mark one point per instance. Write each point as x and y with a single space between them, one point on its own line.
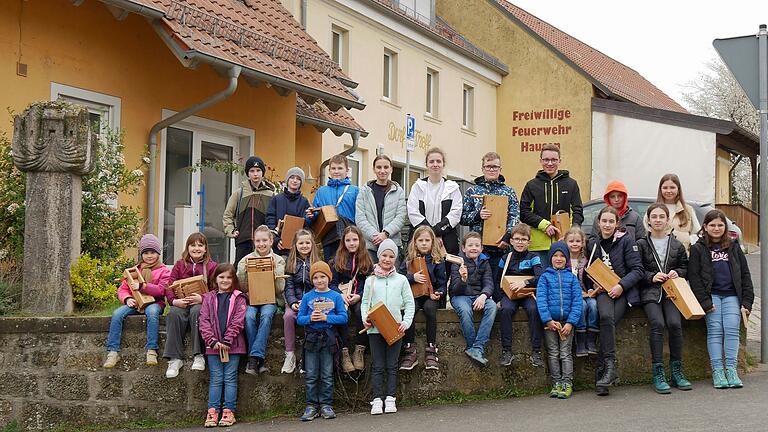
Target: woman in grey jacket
380 210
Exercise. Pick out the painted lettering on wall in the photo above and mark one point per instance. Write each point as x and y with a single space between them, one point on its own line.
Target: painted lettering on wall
421 139
535 128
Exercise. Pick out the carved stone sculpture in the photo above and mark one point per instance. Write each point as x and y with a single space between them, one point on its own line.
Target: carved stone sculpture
54 145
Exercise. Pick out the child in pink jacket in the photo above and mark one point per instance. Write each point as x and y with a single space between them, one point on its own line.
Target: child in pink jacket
156 277
222 319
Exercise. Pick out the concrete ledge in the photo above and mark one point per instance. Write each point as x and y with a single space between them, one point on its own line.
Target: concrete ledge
51 375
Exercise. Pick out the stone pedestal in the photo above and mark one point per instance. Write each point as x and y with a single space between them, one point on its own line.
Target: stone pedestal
52 143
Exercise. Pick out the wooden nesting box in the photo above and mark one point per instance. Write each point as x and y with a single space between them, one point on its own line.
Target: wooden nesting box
261 280
383 320
186 287
562 221
420 289
133 277
325 220
290 225
495 226
516 294
680 293
602 276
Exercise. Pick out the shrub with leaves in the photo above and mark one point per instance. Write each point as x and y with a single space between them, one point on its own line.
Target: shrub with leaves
94 282
12 188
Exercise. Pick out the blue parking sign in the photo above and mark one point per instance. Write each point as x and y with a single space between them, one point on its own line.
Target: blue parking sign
410 127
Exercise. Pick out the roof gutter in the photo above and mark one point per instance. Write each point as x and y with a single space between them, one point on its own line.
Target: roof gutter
233 73
281 82
131 6
329 125
347 152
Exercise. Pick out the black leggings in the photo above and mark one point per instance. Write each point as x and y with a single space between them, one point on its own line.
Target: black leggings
384 358
357 323
430 313
611 311
658 314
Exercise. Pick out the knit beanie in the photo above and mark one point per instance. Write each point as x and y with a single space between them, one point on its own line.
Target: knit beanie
387 244
320 267
149 242
255 161
295 171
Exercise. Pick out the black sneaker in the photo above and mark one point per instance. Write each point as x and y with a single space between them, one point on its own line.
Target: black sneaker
327 412
506 358
253 366
536 359
310 413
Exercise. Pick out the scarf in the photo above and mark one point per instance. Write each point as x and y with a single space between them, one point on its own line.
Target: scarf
146 269
380 272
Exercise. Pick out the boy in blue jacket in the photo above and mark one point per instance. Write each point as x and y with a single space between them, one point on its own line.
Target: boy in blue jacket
558 296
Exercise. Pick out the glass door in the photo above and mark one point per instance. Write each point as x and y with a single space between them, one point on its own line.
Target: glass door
196 191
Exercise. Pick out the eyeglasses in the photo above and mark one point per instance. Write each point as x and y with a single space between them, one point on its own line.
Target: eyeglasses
550 161
492 167
519 240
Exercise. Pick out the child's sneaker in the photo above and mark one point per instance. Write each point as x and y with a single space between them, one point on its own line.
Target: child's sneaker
377 406
151 357
198 364
227 418
289 365
310 413
112 358
556 389
252 367
732 377
718 379
566 390
410 358
536 359
430 358
327 412
173 368
476 355
506 358
212 419
389 405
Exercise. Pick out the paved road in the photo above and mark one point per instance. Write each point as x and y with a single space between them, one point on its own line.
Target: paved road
753 329
628 409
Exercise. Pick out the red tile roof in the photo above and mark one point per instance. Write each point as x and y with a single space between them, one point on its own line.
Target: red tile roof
612 77
319 115
259 35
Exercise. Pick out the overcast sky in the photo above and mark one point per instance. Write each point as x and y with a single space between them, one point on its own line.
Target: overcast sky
668 42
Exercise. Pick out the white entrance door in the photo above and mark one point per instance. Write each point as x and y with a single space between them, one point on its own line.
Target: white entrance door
195 194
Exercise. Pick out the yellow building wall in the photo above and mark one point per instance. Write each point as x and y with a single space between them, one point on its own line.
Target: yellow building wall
86 47
385 120
722 180
539 84
309 148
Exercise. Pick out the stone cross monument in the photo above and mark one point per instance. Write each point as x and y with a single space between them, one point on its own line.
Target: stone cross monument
54 145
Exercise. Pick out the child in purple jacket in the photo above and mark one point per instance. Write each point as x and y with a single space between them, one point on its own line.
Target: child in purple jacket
222 319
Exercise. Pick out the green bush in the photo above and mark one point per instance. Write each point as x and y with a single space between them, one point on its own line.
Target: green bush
10 287
94 282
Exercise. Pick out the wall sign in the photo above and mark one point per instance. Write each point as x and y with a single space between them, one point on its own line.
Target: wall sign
396 134
534 128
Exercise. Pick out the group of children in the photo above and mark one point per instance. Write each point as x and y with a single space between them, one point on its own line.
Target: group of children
325 298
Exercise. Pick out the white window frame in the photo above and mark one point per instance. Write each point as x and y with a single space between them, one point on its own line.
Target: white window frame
107 106
389 76
432 86
340 45
358 158
467 107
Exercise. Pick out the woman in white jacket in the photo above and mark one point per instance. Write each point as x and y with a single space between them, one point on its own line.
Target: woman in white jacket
380 210
437 202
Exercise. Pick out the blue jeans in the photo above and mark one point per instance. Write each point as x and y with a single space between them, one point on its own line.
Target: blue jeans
723 331
589 318
258 332
318 378
223 375
152 312
463 307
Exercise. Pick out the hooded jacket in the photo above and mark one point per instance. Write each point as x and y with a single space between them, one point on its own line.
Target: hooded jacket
437 275
346 276
394 215
479 278
395 292
700 274
247 209
675 258
470 214
544 196
157 287
286 203
188 269
558 293
329 195
625 262
234 336
451 206
298 283
629 219
524 263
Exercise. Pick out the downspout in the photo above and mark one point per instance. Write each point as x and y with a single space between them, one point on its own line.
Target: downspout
233 74
304 14
347 152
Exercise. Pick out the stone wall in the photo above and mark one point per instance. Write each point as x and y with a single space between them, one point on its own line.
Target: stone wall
51 375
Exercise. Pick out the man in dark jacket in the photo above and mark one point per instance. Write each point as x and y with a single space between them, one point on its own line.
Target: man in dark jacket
552 190
290 202
474 213
471 290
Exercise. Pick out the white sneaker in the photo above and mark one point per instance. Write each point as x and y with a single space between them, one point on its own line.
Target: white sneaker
289 365
198 363
112 358
389 405
376 407
173 368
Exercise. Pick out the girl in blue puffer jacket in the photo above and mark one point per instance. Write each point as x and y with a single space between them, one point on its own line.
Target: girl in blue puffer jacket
558 298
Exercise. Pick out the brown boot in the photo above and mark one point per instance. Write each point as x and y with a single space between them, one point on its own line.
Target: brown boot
430 357
358 357
346 362
410 359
